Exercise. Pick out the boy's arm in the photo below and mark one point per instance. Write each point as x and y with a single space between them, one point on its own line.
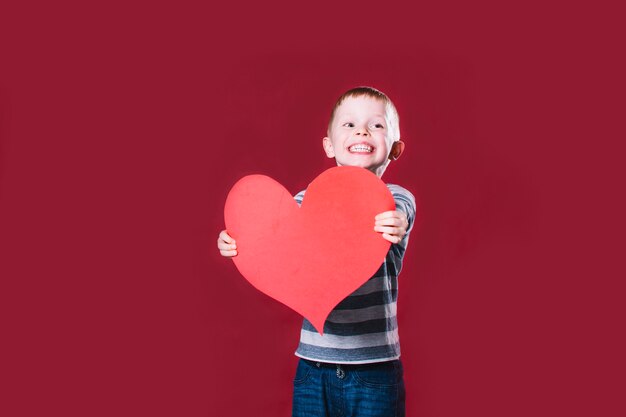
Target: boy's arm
395 225
392 224
405 202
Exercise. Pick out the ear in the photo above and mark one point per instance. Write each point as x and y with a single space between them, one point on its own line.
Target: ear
396 150
328 147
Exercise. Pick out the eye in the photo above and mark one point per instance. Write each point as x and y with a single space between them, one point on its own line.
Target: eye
348 124
379 126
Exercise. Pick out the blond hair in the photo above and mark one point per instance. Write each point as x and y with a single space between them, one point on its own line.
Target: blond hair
371 92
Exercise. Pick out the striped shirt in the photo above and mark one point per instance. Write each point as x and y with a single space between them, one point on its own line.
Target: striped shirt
363 327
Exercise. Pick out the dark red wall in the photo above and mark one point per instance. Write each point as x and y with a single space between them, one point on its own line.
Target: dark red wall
123 126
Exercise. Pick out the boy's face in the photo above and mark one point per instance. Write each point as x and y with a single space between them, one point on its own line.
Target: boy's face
360 135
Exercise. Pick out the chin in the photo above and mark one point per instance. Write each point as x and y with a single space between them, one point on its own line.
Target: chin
365 166
354 162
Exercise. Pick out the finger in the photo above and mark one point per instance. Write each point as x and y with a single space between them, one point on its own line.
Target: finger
391 238
386 214
226 237
388 230
397 217
226 246
229 253
392 221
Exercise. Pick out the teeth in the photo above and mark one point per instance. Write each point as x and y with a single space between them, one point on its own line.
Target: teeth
360 148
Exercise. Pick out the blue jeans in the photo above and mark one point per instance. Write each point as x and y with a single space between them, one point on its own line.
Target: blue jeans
330 390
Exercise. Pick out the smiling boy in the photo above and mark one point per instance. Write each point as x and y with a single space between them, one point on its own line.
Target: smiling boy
354 368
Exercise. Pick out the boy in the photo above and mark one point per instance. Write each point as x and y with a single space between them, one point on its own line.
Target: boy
354 369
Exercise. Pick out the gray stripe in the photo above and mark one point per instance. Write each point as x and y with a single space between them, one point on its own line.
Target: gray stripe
360 355
376 283
352 302
299 197
355 328
351 342
362 314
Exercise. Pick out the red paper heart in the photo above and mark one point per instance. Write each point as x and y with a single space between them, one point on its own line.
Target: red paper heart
309 257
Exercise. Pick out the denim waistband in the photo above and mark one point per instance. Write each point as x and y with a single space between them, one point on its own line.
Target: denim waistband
383 364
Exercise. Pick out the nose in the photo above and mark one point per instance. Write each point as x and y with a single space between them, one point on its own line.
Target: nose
361 131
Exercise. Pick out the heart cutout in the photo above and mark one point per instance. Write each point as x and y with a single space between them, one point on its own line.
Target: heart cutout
313 256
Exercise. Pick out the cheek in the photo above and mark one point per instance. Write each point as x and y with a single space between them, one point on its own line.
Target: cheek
383 143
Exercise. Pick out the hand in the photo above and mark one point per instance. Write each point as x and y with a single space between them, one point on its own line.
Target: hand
392 224
226 244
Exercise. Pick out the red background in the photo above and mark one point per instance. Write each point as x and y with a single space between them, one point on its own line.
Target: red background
123 126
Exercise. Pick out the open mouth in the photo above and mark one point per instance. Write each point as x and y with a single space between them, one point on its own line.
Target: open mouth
361 148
